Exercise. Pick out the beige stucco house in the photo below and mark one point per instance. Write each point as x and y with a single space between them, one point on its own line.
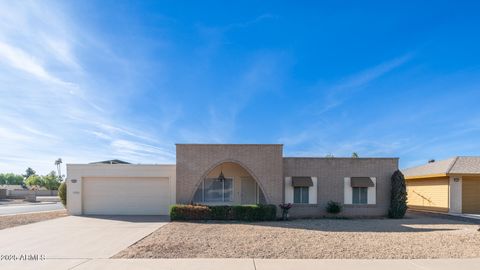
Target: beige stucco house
450 185
230 174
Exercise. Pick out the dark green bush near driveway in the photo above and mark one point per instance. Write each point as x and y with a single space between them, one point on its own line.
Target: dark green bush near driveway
333 207
189 212
257 212
398 198
221 212
62 193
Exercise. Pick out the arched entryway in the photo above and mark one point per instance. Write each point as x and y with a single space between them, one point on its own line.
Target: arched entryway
237 186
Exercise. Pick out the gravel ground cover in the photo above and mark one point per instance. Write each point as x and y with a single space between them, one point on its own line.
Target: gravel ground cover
22 219
416 236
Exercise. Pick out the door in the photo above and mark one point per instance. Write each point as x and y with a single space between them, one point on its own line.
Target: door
428 194
249 191
126 196
471 195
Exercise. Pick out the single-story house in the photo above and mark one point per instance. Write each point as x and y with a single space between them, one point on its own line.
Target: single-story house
231 174
450 185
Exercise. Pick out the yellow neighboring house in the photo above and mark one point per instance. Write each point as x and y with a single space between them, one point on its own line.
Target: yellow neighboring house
451 185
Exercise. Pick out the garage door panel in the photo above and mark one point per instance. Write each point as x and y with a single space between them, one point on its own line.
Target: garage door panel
428 194
126 196
471 195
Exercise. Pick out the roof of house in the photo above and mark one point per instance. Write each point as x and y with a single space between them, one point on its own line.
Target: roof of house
112 161
454 165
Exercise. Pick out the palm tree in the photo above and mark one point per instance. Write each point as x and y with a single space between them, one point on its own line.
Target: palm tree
58 163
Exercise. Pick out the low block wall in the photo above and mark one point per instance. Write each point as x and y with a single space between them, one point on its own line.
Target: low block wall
21 193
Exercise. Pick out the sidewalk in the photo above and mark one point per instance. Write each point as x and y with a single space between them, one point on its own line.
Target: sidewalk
246 264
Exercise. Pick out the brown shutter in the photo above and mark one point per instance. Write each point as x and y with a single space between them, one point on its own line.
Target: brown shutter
302 181
361 182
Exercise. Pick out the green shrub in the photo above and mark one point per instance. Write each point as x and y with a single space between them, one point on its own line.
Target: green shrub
333 207
223 212
240 212
398 199
269 211
189 212
62 193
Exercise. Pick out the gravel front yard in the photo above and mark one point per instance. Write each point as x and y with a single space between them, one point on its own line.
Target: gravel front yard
417 236
22 219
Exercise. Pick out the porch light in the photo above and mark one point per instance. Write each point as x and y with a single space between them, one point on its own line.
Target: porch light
221 177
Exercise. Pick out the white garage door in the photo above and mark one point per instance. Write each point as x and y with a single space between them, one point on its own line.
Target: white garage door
126 196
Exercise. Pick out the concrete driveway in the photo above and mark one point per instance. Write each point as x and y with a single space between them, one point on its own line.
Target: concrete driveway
78 237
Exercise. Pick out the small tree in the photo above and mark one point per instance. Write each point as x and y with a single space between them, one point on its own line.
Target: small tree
58 163
62 193
10 179
398 200
34 181
51 181
355 155
29 172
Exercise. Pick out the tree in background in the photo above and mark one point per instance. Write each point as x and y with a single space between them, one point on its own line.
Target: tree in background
58 163
355 155
29 172
34 181
398 199
51 181
10 179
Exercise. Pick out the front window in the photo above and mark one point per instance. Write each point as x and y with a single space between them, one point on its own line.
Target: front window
300 195
214 190
360 195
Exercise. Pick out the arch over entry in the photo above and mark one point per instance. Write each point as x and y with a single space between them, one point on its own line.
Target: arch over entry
241 185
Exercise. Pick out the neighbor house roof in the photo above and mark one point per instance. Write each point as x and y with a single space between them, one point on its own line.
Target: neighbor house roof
112 161
455 165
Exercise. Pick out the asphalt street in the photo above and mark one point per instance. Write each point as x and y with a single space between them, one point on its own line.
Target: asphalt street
9 209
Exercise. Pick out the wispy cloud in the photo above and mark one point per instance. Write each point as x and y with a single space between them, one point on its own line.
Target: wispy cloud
332 96
19 59
340 91
248 23
49 104
131 150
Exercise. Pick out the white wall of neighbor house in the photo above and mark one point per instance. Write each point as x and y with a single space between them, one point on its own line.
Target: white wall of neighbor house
455 195
76 173
312 191
371 191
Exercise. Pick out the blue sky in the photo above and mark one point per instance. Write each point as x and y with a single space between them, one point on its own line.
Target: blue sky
96 80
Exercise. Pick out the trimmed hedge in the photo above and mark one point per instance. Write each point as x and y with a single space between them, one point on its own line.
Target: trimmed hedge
259 212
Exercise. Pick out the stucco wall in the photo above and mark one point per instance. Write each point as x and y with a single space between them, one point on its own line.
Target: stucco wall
331 173
78 172
263 162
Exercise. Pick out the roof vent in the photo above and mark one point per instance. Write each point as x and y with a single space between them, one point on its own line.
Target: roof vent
431 161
